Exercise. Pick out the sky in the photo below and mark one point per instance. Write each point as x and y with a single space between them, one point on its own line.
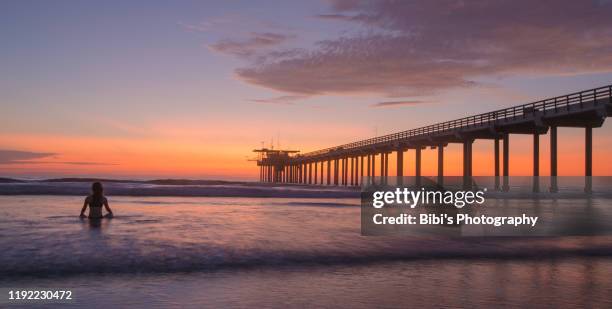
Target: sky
187 89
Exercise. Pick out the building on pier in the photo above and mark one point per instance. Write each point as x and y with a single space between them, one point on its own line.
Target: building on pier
273 164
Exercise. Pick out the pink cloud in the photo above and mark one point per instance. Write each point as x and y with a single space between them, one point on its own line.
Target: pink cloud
397 103
249 47
286 99
421 48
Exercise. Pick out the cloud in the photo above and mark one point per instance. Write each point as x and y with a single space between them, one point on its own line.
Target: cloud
63 162
411 48
16 156
340 17
286 99
29 157
249 47
397 103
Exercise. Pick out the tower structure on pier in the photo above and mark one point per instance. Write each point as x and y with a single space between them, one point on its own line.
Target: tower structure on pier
273 164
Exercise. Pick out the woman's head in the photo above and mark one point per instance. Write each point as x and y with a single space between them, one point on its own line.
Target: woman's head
97 189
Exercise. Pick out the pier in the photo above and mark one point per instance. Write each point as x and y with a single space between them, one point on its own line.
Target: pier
347 164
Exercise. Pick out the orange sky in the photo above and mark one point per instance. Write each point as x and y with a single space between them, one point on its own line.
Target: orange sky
188 90
185 158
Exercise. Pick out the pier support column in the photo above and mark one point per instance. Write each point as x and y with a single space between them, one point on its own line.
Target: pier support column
316 172
309 173
369 170
588 159
341 170
353 171
358 170
441 165
417 166
275 173
506 184
322 163
344 169
373 168
536 162
400 167
328 172
336 172
346 172
360 182
382 168
553 160
354 161
386 168
356 181
467 164
496 163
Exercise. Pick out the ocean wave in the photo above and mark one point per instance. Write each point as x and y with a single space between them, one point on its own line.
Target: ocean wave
158 190
192 259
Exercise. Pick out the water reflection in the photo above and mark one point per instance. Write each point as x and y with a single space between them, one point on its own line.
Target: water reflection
224 252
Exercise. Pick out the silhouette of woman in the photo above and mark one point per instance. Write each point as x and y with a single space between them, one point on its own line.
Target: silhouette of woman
95 201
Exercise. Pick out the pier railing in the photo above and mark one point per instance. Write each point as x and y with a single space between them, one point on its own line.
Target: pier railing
551 105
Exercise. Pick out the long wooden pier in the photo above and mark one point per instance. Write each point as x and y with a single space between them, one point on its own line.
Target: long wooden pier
586 109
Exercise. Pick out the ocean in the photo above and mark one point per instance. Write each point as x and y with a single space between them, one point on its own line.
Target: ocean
277 246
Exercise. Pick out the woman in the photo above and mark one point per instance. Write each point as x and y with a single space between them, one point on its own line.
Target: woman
95 202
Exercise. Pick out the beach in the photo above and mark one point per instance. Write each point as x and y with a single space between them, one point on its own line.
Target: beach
274 251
